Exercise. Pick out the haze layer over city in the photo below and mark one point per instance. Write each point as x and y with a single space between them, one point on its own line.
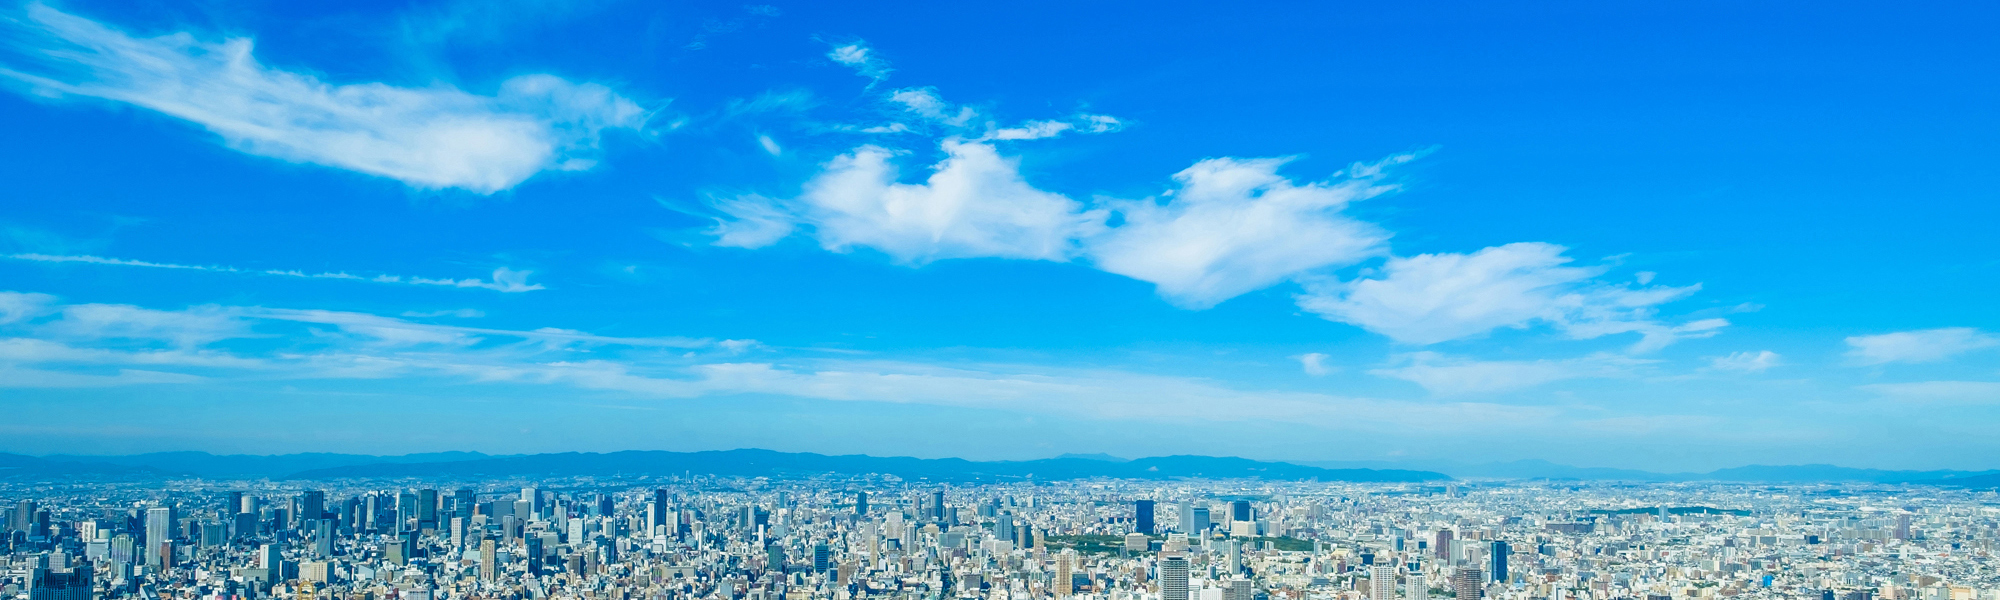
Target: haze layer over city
664 300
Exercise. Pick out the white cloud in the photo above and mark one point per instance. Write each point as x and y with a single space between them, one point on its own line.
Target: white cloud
1449 376
430 138
1032 130
974 204
1431 298
15 306
1960 392
926 103
863 60
1233 226
770 145
504 279
753 222
1314 363
1927 345
1749 362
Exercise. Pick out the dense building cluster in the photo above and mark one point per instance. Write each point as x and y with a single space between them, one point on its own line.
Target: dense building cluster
881 537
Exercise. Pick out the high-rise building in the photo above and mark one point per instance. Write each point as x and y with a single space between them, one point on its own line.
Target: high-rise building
1443 545
861 504
312 507
1497 560
1468 583
462 503
1902 527
73 583
937 506
1065 579
1142 516
1239 511
656 511
322 538
488 552
534 551
24 516
1381 582
427 509
821 557
1237 588
1173 577
159 530
406 510
1414 586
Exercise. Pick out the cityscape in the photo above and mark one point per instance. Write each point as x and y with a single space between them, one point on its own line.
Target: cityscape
855 536
1031 300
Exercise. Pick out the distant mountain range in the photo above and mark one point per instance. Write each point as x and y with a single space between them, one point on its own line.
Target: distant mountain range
755 463
1816 473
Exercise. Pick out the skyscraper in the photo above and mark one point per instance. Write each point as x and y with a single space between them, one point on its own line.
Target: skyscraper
937 506
406 510
1381 582
1414 586
1443 545
656 513
461 504
312 507
1142 516
427 509
861 504
1173 577
1239 511
1065 581
1468 583
159 530
1498 559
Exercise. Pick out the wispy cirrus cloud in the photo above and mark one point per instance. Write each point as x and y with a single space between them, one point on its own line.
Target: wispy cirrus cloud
1920 346
429 138
1431 298
503 280
1747 362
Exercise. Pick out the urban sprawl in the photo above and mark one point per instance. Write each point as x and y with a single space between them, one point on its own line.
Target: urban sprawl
669 538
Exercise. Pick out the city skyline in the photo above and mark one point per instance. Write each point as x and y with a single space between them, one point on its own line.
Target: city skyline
1676 239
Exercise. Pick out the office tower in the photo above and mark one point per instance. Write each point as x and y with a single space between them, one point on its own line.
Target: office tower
1200 519
1381 583
312 506
1142 516
534 547
1065 578
861 504
1239 511
937 506
232 503
427 509
243 525
1902 527
270 557
1234 551
73 583
1443 545
1468 583
604 506
1237 588
24 515
159 529
212 534
1174 578
461 504
371 511
821 557
656 512
1498 560
1414 587
323 538
406 510
487 552
249 504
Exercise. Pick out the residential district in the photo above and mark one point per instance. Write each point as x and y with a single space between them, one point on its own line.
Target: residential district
880 537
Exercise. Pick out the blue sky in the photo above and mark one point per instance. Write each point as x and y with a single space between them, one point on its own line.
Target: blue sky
1679 236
